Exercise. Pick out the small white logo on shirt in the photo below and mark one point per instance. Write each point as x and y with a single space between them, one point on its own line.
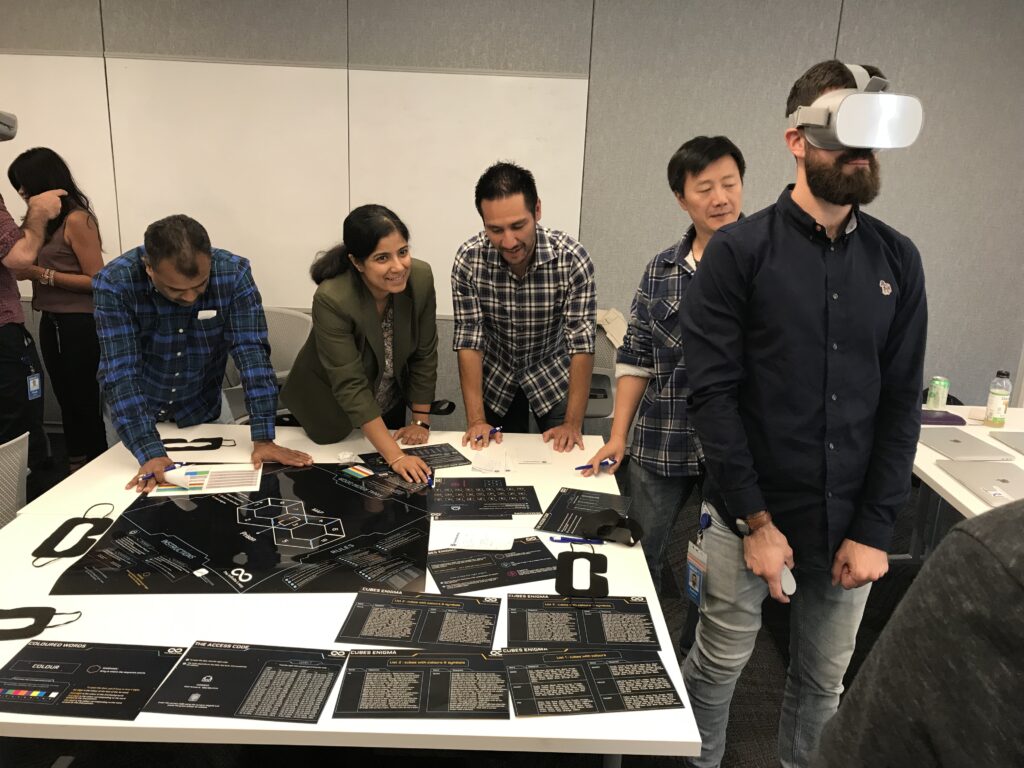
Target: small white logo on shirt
886 288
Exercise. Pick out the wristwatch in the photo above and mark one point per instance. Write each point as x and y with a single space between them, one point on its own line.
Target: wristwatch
418 423
747 525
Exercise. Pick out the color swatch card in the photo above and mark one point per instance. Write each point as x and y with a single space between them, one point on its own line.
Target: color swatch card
209 478
84 679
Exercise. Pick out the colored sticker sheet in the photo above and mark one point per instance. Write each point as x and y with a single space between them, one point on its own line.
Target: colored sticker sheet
253 682
577 622
417 684
587 681
438 456
570 506
480 498
308 529
84 679
465 570
429 622
210 478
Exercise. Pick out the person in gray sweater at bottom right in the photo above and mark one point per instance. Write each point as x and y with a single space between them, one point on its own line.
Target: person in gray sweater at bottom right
944 683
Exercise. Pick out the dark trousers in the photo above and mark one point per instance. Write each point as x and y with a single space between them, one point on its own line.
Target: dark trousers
71 351
517 418
18 414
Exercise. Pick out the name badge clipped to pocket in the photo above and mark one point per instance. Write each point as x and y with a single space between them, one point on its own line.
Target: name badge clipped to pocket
35 386
696 570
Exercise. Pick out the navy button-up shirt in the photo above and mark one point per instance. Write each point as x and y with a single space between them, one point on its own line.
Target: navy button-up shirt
805 360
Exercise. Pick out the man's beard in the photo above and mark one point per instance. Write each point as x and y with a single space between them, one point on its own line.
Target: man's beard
831 183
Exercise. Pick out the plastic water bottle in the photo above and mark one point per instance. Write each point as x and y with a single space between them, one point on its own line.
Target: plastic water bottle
998 400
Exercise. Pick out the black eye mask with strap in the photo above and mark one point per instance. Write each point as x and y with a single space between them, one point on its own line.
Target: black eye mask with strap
198 444
41 616
609 525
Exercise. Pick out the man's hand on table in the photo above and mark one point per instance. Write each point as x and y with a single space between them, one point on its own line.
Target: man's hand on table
154 467
564 437
268 450
857 564
479 435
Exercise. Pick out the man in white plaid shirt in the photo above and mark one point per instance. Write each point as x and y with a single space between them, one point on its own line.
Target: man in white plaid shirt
525 302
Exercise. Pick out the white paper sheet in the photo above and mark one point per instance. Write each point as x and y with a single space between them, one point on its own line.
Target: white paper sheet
209 478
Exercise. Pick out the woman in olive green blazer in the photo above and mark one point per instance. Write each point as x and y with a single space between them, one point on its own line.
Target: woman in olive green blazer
347 374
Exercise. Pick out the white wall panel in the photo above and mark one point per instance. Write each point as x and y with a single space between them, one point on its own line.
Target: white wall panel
257 154
420 141
61 103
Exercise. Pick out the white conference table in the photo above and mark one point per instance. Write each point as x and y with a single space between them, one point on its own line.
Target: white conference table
313 620
944 484
939 486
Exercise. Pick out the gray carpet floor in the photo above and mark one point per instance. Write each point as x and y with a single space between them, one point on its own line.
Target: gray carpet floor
752 727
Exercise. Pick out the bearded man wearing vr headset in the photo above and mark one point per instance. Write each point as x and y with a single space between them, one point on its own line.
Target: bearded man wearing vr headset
804 332
21 373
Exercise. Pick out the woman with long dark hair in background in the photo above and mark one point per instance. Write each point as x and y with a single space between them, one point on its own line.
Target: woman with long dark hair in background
373 347
62 291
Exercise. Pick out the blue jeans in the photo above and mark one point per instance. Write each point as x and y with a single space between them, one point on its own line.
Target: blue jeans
823 630
656 503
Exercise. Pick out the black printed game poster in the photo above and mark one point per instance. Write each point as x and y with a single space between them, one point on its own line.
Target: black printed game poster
465 570
567 511
587 681
429 622
577 622
84 679
254 682
418 685
308 529
480 498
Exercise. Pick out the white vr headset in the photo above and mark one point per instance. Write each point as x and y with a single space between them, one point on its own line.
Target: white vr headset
864 117
8 126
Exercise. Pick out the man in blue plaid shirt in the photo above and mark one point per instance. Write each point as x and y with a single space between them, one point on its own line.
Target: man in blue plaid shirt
524 318
706 177
167 315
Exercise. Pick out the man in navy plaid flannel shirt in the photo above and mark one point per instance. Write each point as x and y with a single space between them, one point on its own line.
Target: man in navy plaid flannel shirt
525 302
167 315
706 177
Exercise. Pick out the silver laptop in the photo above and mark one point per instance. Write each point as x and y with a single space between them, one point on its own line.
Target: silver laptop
1013 439
958 445
994 483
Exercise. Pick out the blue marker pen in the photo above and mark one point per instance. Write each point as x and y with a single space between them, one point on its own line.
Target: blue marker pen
151 475
492 433
602 463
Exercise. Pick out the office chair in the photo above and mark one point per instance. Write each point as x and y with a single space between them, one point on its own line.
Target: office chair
13 476
287 330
